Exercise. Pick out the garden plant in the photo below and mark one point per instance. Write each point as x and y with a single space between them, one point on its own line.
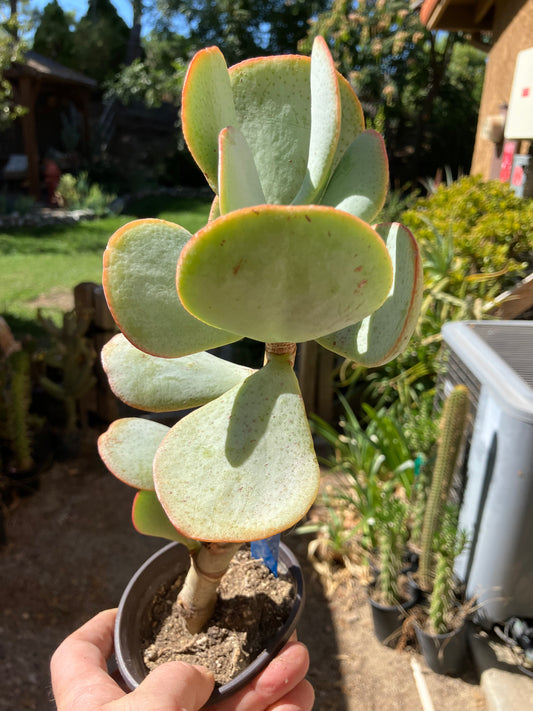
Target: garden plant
288 255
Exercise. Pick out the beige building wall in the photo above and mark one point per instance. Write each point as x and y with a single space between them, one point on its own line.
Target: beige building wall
513 32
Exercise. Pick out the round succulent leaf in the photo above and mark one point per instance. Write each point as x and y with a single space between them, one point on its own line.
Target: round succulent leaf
359 183
325 123
167 384
128 447
241 467
284 273
384 334
139 280
206 108
150 519
238 181
273 104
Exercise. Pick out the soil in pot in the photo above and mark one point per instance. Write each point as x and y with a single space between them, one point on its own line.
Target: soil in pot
252 605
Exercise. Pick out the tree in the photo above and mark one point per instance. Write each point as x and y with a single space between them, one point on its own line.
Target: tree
100 41
53 36
244 28
399 70
11 48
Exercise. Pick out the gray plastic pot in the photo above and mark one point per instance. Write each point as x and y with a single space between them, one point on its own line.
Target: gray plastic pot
164 567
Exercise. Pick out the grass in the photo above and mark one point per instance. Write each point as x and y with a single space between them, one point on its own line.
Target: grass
41 262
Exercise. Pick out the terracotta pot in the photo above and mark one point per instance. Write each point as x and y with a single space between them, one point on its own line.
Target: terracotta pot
164 567
445 653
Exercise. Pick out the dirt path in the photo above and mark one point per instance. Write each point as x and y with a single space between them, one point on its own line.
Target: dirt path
70 552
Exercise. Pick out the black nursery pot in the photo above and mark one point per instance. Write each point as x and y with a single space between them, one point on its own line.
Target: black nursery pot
164 567
388 619
445 653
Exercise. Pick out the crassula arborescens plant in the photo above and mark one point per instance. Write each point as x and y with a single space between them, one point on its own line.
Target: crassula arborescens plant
288 255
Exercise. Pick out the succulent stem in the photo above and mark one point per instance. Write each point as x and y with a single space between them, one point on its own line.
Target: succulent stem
199 592
280 349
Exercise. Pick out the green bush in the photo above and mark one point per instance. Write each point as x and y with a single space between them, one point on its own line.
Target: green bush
491 229
78 193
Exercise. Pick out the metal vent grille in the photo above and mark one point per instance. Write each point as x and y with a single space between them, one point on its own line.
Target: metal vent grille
513 343
457 373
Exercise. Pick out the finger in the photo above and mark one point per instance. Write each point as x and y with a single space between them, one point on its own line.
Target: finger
301 698
281 676
78 666
174 686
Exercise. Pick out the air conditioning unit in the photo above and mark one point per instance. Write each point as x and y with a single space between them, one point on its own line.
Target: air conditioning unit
495 360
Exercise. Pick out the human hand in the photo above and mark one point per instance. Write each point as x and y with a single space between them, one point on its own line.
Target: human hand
80 680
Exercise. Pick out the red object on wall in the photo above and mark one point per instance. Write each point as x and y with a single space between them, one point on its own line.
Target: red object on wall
509 149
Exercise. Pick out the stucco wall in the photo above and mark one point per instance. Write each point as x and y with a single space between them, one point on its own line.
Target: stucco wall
513 32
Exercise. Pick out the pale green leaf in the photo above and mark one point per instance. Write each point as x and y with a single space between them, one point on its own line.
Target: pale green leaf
284 273
150 519
325 123
206 108
238 180
139 281
241 467
166 384
128 447
384 334
359 183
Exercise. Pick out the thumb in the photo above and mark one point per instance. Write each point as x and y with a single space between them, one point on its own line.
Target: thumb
173 686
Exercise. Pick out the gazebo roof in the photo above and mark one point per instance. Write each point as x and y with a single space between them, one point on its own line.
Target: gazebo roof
39 66
455 15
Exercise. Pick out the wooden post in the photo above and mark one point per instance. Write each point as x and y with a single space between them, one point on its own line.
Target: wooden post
27 98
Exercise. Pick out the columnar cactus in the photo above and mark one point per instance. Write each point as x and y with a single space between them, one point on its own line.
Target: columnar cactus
288 255
452 426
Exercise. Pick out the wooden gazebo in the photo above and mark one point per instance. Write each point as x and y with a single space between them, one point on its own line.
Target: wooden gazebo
44 87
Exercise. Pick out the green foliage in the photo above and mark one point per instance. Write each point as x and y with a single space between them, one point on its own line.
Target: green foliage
375 461
53 36
100 40
421 88
78 194
142 81
473 230
11 50
244 28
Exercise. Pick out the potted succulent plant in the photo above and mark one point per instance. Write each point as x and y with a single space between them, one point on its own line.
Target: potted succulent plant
288 255
392 594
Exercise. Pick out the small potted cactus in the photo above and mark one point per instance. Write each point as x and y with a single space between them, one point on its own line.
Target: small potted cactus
288 255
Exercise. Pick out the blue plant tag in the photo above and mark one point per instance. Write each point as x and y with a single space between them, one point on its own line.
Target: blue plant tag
267 550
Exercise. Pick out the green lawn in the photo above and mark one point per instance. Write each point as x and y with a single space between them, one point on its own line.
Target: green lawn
44 264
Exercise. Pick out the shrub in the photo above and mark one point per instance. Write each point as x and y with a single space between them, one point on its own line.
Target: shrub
492 229
78 193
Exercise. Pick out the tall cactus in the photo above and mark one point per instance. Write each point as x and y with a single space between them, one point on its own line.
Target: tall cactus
452 426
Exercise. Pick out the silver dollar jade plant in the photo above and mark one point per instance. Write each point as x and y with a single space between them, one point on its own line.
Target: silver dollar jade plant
288 255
